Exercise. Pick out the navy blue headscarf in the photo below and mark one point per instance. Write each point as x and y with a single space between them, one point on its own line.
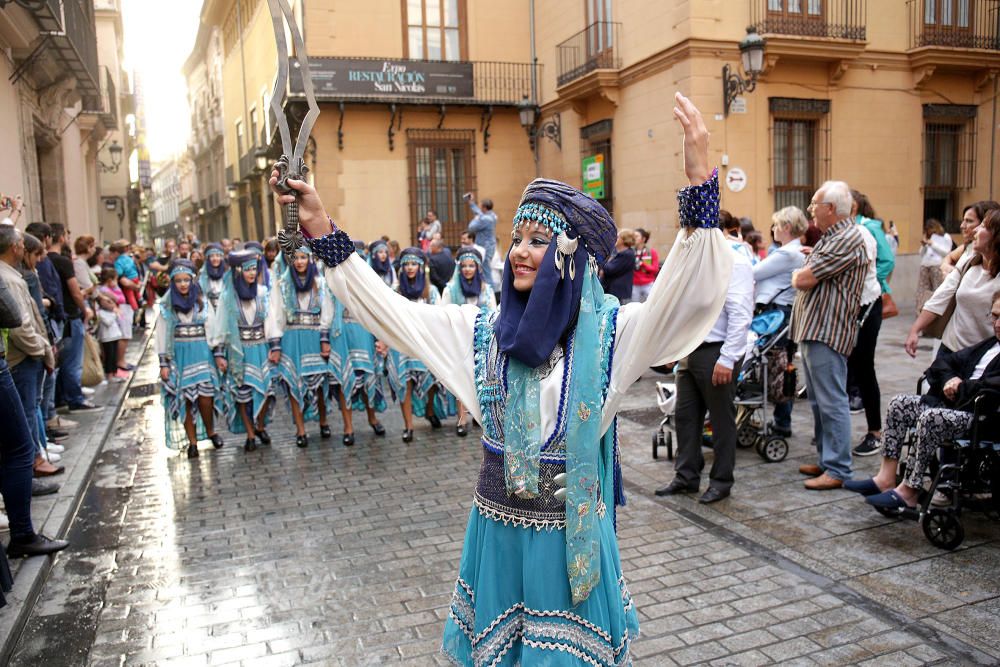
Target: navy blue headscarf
412 289
215 272
181 302
382 267
531 324
239 261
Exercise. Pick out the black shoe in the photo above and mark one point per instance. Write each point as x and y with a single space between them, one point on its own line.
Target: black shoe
712 495
217 441
263 436
869 446
41 487
407 435
192 451
433 419
379 429
348 440
40 546
675 487
779 430
324 432
856 405
461 430
56 434
302 441
250 445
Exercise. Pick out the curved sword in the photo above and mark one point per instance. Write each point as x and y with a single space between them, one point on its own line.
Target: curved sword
292 163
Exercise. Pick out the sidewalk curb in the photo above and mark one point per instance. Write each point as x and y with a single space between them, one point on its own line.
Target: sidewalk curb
32 573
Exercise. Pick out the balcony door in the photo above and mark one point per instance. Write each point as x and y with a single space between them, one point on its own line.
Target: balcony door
600 37
948 21
434 29
797 17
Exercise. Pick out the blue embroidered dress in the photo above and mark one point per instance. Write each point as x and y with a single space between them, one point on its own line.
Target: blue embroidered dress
361 372
184 344
515 601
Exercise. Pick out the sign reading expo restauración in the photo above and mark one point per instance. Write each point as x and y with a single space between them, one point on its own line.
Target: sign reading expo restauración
367 77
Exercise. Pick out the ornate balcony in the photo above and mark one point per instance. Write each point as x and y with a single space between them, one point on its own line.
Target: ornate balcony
954 35
593 48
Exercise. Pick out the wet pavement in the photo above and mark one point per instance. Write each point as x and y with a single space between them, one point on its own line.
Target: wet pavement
347 556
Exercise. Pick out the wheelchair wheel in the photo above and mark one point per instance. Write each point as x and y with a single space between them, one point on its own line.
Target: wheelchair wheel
943 529
772 449
661 439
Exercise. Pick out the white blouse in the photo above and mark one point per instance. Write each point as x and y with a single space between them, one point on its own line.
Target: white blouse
684 303
277 318
213 334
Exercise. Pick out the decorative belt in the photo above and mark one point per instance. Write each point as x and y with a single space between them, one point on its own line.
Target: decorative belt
252 334
301 319
542 511
189 331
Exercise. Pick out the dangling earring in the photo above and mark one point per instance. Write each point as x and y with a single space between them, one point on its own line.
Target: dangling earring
566 247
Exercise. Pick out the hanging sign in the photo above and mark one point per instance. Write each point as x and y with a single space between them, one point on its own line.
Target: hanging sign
592 169
736 179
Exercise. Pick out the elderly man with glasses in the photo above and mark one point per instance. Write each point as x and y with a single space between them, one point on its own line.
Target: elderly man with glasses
825 325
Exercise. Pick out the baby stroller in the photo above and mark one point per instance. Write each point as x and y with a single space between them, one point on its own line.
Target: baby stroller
766 374
663 436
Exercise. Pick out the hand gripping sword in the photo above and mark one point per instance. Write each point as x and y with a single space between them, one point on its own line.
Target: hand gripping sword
291 164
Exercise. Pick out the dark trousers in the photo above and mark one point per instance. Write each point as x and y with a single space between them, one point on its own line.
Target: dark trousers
109 352
695 396
17 457
861 367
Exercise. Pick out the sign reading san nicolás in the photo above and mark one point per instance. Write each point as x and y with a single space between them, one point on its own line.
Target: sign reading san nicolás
366 77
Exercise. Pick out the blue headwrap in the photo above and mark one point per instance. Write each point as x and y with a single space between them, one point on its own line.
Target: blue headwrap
382 267
458 286
412 289
566 304
293 284
214 272
183 302
241 261
263 274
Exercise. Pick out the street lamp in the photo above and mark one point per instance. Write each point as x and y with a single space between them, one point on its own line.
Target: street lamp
116 159
752 58
527 111
233 190
260 157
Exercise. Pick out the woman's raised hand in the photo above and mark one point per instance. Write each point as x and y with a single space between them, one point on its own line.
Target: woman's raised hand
312 216
695 140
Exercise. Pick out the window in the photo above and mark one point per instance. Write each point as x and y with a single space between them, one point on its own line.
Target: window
442 168
948 13
799 149
239 138
254 137
434 29
796 8
949 159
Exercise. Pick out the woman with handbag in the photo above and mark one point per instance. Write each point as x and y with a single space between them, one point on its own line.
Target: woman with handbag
955 311
540 579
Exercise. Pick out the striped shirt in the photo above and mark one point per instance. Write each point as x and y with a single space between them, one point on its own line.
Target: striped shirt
828 313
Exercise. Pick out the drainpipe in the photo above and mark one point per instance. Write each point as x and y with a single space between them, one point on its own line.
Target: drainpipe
534 77
993 135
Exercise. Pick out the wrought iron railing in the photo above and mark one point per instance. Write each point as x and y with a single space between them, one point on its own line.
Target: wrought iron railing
836 19
965 24
594 47
477 82
69 27
109 99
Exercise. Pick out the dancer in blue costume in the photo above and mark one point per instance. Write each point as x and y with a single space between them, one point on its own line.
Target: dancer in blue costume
540 579
249 349
212 274
378 259
415 387
303 315
468 285
185 333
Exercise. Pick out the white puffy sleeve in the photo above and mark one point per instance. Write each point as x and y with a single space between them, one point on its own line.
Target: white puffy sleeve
326 309
274 319
161 335
439 336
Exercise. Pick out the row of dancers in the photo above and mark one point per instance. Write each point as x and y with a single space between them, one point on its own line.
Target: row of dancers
236 337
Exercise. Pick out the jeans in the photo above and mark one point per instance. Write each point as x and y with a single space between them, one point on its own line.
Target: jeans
641 292
71 367
25 376
488 251
49 395
783 414
17 457
826 383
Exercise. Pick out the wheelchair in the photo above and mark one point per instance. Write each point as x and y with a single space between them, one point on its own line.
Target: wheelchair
967 470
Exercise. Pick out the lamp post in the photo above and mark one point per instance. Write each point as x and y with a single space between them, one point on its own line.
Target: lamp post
527 112
115 150
752 59
261 160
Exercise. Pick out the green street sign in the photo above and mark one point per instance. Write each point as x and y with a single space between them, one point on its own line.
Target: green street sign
592 170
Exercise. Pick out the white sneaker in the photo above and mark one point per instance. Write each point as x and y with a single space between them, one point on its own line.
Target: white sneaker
53 448
940 500
52 456
103 383
4 522
87 391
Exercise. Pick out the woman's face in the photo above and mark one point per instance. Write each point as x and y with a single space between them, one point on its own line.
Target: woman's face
527 250
411 269
382 254
969 224
270 254
782 234
183 283
468 268
215 260
983 242
250 275
31 259
640 242
301 262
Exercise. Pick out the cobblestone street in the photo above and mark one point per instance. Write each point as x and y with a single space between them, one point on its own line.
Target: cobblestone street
341 556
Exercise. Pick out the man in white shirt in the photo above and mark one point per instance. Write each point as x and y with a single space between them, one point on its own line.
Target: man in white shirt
706 380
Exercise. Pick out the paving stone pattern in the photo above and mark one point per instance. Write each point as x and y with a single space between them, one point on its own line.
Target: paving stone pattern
340 556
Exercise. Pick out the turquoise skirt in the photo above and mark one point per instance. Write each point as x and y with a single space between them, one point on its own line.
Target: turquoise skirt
362 371
192 375
512 604
402 369
259 378
302 371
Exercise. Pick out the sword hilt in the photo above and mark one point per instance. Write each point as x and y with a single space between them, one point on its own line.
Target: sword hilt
290 237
